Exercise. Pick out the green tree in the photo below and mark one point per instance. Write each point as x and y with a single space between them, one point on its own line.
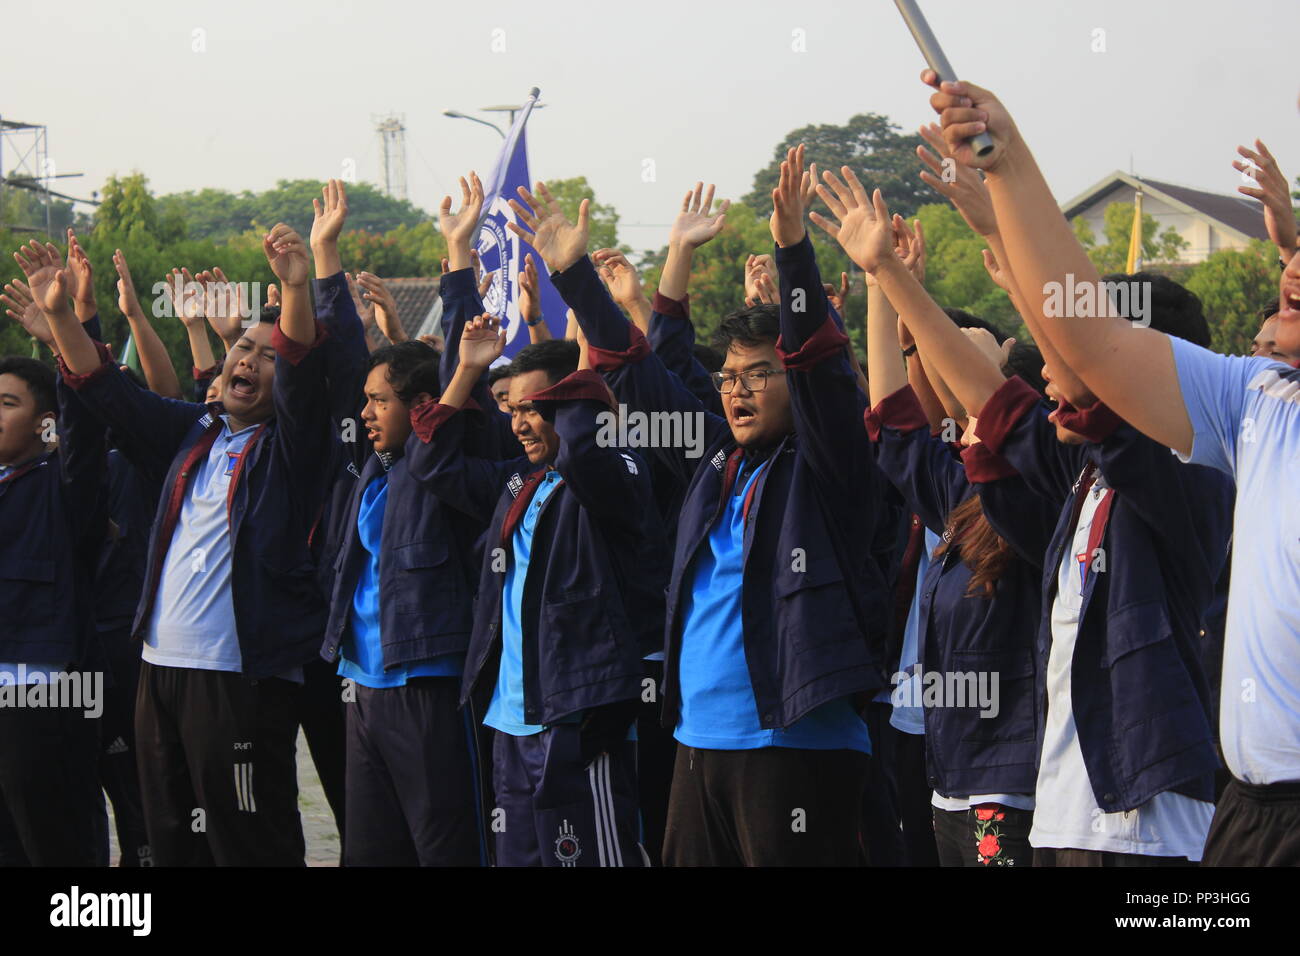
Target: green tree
870 145
955 275
24 209
1233 286
1112 255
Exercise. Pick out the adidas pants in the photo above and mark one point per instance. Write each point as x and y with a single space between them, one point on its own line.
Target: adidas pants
411 785
117 764
1255 825
553 811
218 774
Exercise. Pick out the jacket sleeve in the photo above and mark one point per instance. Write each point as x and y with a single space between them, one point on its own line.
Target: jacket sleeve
610 482
460 303
1013 424
439 457
83 464
921 466
824 396
637 376
303 433
151 427
1023 518
345 357
672 336
203 379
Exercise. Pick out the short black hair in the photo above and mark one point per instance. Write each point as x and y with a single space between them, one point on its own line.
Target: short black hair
269 313
755 325
1268 312
497 374
1175 309
39 378
412 369
556 357
1026 363
965 320
709 357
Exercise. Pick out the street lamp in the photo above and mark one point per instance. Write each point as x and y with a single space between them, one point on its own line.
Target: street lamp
455 114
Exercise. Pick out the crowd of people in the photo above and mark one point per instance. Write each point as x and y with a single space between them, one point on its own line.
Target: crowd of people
964 601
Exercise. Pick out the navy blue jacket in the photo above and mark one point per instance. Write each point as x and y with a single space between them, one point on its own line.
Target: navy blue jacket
53 517
814 601
275 498
965 752
1140 695
593 597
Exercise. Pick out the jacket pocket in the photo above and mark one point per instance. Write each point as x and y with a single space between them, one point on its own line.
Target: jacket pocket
812 604
27 590
999 690
583 644
424 578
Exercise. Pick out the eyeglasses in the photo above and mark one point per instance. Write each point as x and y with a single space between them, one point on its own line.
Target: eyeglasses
754 380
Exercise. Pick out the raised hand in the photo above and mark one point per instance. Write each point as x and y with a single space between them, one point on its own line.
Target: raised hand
1274 192
1000 276
863 226
530 300
787 201
559 242
83 293
966 110
272 293
484 278
127 301
187 295
758 268
695 225
50 280
962 186
328 216
226 304
20 307
984 340
384 306
913 254
459 229
365 309
481 342
287 255
838 296
620 277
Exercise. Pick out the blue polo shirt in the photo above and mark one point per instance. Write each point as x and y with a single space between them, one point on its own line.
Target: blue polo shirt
718 709
506 712
361 657
1245 415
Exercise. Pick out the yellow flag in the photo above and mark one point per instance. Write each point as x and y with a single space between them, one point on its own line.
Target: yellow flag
1135 238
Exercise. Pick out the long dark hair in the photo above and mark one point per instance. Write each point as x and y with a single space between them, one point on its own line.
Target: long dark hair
984 551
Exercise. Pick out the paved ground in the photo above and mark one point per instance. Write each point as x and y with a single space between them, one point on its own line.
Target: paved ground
317 821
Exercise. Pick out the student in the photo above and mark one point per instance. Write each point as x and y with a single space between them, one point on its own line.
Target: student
402 592
1237 415
230 611
762 666
499 383
53 516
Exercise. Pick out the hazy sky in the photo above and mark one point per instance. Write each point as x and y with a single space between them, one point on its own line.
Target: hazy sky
288 89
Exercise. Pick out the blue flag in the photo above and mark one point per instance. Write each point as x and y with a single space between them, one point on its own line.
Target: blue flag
502 252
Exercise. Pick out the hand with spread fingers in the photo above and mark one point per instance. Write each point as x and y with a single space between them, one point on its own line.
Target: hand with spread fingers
696 224
20 307
788 209
49 278
1273 191
862 224
559 242
380 298
961 185
482 342
460 228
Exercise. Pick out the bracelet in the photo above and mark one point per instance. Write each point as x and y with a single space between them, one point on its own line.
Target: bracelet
533 323
909 351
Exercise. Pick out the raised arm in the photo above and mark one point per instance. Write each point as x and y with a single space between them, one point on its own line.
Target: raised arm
624 285
1130 368
530 303
156 364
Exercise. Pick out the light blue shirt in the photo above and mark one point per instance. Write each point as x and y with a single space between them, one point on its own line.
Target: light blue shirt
193 621
910 719
718 707
1245 415
361 657
506 712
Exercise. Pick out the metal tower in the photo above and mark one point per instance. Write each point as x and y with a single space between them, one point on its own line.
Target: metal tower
31 169
392 146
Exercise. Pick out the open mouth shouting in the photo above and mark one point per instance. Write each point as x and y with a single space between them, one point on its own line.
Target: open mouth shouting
242 387
743 413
